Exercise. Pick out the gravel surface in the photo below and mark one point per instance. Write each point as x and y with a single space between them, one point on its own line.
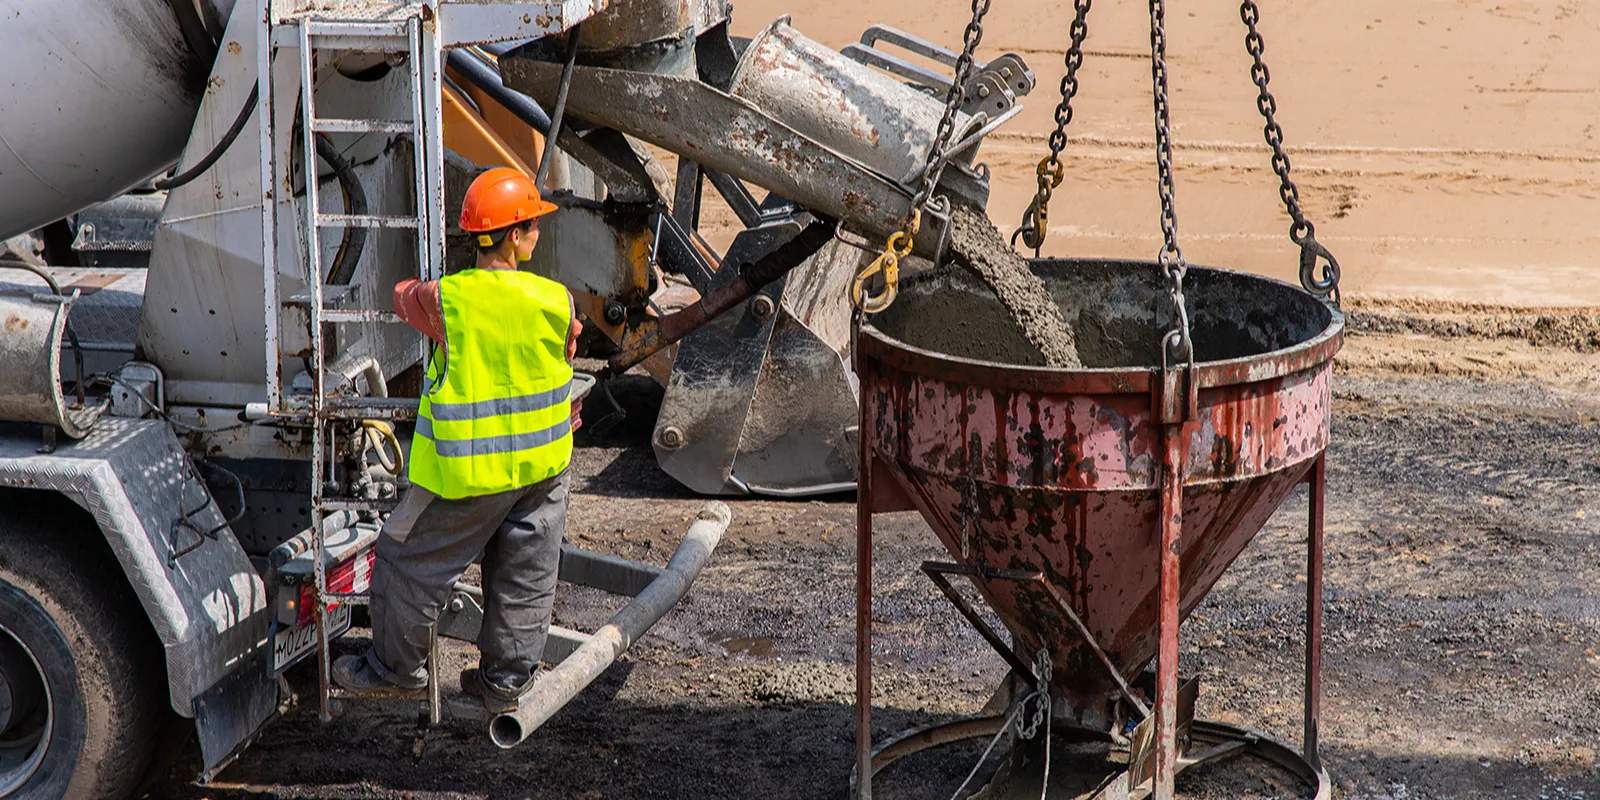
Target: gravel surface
1461 656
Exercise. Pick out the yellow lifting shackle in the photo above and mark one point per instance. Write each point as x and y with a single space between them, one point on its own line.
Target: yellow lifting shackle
896 248
1050 172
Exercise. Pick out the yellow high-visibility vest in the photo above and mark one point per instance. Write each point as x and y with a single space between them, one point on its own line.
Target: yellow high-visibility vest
499 417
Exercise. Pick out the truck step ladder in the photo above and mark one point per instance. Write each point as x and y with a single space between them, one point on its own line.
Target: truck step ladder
414 34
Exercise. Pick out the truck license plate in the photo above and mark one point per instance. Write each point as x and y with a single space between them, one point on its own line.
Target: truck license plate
291 645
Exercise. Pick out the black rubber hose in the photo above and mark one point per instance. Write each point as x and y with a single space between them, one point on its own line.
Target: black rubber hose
548 156
193 25
216 152
355 202
485 77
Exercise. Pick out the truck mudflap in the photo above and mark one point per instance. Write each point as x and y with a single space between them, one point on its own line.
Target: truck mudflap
204 599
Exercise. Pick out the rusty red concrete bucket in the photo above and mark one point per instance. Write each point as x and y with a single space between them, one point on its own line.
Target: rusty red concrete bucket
1022 467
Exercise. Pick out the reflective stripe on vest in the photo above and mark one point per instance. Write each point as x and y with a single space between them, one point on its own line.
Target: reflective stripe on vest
499 416
484 445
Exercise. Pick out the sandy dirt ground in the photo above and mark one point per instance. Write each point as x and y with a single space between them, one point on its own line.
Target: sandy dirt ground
1444 149
1448 153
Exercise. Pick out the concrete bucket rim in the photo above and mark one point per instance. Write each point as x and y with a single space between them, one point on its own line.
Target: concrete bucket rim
1309 354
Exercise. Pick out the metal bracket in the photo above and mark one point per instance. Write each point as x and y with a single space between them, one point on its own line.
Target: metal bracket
678 251
986 93
1141 743
1177 395
936 571
738 197
1006 77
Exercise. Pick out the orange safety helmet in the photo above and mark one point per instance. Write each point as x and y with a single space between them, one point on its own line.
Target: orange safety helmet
501 197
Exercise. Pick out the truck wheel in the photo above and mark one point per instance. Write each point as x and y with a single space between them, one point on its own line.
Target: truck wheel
78 699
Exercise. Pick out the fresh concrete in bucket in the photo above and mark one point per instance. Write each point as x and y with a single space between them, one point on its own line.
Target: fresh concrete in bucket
977 245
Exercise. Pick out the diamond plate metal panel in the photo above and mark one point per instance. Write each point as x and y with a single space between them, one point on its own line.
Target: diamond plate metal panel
107 310
209 606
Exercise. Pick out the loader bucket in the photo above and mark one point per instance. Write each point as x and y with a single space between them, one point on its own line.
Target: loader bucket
762 399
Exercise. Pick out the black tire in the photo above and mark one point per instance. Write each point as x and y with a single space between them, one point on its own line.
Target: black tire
87 656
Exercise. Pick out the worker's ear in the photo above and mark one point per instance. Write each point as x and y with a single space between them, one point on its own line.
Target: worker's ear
523 243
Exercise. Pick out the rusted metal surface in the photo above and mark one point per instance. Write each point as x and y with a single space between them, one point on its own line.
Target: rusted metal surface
864 510
1062 471
1313 687
730 135
1173 441
626 23
647 35
31 328
858 111
1087 636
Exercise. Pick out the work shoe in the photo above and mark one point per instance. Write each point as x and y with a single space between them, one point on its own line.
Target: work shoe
498 699
357 676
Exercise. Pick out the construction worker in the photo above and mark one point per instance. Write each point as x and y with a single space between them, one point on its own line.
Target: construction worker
488 461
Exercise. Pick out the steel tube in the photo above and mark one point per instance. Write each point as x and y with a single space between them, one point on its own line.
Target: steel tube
729 135
1318 496
864 596
863 114
557 687
561 105
1175 437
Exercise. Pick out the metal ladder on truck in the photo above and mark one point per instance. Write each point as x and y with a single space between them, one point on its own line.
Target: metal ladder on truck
411 31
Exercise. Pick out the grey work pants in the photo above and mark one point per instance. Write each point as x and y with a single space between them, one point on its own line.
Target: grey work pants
426 546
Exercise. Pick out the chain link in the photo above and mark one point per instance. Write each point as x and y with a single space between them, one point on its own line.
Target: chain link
1035 220
1043 668
899 243
970 38
1177 343
1301 231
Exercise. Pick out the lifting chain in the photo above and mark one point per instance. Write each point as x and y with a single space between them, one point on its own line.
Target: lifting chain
1043 668
899 244
1035 220
1177 344
1301 231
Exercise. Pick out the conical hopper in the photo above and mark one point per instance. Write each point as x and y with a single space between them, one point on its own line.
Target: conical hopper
1058 472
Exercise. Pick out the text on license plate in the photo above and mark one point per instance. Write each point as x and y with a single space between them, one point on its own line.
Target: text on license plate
289 646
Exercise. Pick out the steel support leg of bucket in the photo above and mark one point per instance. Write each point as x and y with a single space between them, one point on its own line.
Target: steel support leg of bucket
864 605
1174 441
1317 490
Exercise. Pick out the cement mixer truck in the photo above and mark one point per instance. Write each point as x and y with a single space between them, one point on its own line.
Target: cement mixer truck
199 440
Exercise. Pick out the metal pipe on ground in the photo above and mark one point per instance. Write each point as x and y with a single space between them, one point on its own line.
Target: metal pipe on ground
557 687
